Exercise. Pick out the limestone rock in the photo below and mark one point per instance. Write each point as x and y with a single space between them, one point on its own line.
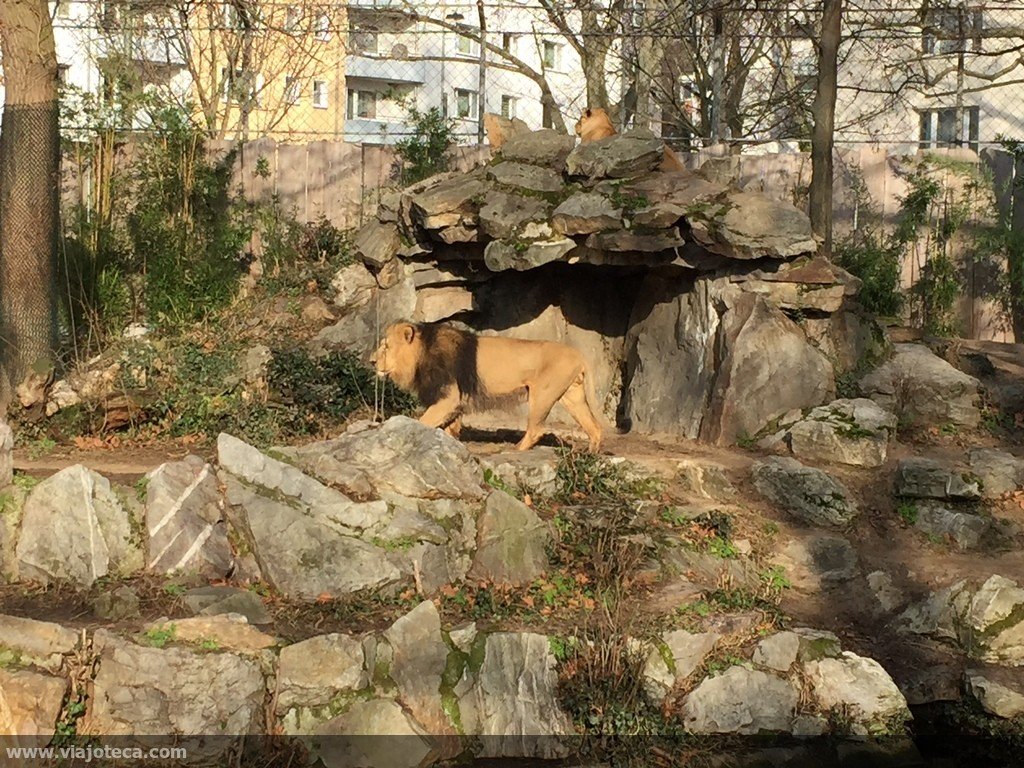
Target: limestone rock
400 456
616 157
924 389
409 747
376 244
358 330
778 652
806 493
353 287
513 702
533 471
500 256
859 684
544 147
740 700
230 631
448 203
996 699
418 662
173 692
37 643
117 604
314 672
30 704
681 654
6 454
524 176
818 561
184 520
705 479
511 542
998 472
967 531
74 528
504 213
923 478
210 601
626 241
750 225
853 432
584 213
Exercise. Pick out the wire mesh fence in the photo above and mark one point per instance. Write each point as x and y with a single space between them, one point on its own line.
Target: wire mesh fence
696 72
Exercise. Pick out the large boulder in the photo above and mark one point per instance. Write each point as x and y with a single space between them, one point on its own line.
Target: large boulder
418 662
749 225
30 704
742 701
853 432
808 494
923 389
315 677
616 157
40 644
75 528
187 532
511 542
863 689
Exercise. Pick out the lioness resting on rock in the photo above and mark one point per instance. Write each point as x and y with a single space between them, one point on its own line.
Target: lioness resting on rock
594 124
452 371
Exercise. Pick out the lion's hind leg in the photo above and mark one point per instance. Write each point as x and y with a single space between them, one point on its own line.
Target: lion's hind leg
542 399
575 402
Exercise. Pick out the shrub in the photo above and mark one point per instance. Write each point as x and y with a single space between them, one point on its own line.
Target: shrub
425 151
877 264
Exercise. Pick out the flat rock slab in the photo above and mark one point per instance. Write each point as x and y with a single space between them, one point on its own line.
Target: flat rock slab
312 673
209 601
37 643
227 631
30 704
741 700
806 493
511 542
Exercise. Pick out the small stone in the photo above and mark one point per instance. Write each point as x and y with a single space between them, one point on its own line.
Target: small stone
996 699
778 651
228 631
117 605
210 601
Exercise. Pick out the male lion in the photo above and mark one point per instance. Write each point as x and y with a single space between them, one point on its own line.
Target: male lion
451 371
594 124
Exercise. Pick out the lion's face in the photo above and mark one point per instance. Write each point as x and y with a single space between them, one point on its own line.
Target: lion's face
398 354
594 124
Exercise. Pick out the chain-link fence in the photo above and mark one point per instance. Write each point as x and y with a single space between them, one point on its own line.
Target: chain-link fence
696 72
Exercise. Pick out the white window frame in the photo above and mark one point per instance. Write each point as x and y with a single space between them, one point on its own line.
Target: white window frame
468 46
473 102
556 65
354 103
322 27
508 106
321 99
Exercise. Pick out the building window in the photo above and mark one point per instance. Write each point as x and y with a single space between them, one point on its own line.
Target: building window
948 28
233 17
63 8
292 90
362 39
62 75
362 105
292 18
551 54
465 103
938 128
508 43
508 107
320 94
323 27
467 45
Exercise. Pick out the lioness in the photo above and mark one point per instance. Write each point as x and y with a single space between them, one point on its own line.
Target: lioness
594 124
451 371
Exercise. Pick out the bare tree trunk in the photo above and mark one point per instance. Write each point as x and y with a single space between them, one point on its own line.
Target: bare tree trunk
29 168
824 111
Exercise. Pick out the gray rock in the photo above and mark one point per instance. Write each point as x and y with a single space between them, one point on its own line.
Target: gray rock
230 631
999 472
376 244
418 663
616 157
678 655
704 478
767 368
741 700
584 213
314 672
30 704
74 528
817 644
778 651
798 296
751 225
450 203
187 533
626 241
210 601
117 604
6 454
503 213
511 542
358 330
534 472
968 531
37 643
996 699
888 595
938 682
544 147
520 256
436 304
659 216
513 701
172 692
353 286
922 478
924 389
863 688
409 746
806 493
852 432
401 456
523 176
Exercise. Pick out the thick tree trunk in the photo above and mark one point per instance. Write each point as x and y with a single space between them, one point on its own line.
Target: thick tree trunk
824 112
29 181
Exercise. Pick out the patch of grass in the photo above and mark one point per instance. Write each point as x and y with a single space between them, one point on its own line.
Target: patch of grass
580 475
907 510
26 482
400 544
173 590
495 481
745 441
40 447
158 637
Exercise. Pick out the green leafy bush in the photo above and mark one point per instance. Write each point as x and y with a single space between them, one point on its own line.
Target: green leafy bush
425 151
